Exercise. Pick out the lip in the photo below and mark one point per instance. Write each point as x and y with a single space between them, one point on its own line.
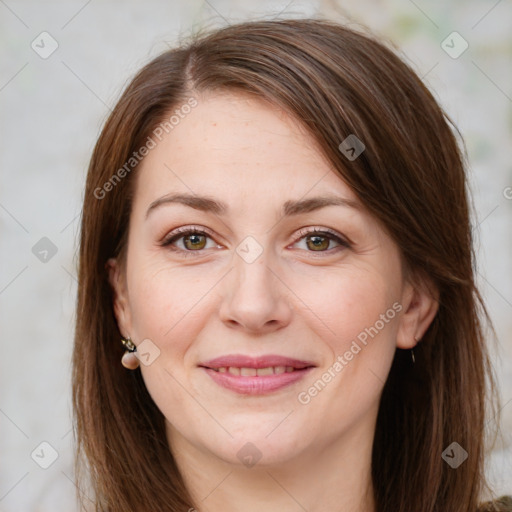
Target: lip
256 385
243 361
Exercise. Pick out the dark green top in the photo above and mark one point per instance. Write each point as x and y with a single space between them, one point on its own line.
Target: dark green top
503 504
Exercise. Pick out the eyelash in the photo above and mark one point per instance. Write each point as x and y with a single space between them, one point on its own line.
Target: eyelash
184 231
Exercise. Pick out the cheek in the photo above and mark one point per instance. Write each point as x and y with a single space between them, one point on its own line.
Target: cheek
345 303
168 304
357 313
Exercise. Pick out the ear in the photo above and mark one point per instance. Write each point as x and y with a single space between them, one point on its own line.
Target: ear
121 303
420 303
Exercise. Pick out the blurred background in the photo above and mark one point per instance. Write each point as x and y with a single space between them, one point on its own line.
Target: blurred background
62 67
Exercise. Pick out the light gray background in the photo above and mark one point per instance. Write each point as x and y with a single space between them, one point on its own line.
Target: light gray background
51 113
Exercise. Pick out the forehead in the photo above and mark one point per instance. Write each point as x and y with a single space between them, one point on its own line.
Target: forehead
233 143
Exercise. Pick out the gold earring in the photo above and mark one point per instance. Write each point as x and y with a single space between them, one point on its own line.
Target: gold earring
129 359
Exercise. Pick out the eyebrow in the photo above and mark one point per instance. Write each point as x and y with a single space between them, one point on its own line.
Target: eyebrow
291 207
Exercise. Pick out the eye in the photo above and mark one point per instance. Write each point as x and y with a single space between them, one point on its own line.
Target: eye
320 240
187 240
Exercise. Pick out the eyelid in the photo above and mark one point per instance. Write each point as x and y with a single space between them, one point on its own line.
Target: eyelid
183 231
343 240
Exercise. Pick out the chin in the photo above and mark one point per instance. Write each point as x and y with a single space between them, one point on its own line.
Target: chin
252 447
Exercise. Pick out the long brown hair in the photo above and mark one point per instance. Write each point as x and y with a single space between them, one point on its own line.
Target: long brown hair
336 82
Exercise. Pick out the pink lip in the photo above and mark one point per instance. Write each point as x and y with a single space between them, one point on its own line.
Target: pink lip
242 361
256 385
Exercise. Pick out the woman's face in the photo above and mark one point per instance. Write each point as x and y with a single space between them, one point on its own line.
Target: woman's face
303 325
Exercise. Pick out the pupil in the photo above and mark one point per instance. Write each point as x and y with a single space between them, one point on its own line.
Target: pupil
319 241
195 240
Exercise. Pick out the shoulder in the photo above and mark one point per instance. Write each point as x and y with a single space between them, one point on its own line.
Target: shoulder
503 504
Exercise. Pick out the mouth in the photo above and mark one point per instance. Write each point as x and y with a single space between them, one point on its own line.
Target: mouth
256 376
252 372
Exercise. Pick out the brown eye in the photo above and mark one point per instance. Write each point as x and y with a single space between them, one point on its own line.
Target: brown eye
194 241
189 240
316 240
317 243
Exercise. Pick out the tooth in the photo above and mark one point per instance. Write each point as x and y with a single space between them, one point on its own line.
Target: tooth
289 369
222 369
234 370
265 371
248 372
279 369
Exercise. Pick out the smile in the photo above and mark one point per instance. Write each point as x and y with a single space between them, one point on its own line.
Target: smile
256 376
251 372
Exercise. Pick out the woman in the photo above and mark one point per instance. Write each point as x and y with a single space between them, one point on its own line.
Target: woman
277 305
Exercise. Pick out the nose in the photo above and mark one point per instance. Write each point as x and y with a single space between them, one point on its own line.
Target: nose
254 298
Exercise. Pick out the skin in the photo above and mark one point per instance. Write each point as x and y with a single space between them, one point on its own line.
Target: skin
293 300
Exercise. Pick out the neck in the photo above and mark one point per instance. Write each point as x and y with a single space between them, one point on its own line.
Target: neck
334 477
